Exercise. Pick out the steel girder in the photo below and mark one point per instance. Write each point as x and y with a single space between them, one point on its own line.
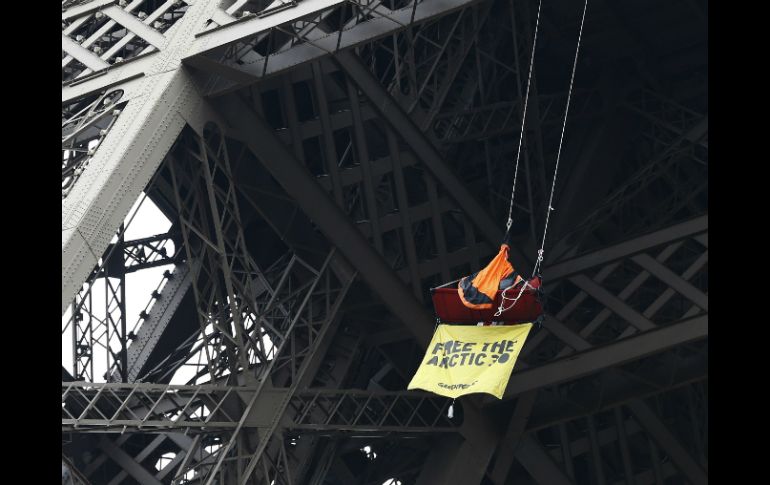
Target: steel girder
98 328
70 474
182 400
151 407
242 54
668 442
285 155
350 241
150 252
316 204
632 248
645 242
191 409
674 147
616 287
129 149
202 409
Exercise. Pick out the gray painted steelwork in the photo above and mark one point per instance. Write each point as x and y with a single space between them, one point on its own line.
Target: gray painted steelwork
324 163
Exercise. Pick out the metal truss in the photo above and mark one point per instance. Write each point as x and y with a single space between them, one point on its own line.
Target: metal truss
111 407
306 151
677 138
348 411
150 252
634 286
365 412
246 314
98 328
85 123
70 474
175 409
499 118
603 444
157 408
99 34
243 53
97 320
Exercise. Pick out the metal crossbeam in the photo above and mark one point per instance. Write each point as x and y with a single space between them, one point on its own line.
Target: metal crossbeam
609 355
362 412
295 145
420 145
111 407
624 249
140 137
150 252
312 43
335 225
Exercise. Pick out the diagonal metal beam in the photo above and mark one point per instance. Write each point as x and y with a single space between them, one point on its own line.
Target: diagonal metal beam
76 476
612 302
136 26
539 463
336 226
425 151
128 464
510 443
609 355
88 58
158 319
242 31
673 280
627 248
315 44
139 458
668 442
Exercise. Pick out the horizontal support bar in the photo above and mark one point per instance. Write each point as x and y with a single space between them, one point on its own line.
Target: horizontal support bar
613 354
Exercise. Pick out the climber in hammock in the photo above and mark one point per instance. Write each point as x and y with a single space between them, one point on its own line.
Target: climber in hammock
496 293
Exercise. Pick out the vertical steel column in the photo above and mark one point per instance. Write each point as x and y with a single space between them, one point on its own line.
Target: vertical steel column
596 452
620 425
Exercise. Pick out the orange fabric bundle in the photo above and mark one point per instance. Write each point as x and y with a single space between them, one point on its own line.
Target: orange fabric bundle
479 289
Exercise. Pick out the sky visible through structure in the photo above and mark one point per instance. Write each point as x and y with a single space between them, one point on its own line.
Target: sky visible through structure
146 220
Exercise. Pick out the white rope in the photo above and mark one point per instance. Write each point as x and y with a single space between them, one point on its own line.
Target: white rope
523 117
501 308
561 141
540 251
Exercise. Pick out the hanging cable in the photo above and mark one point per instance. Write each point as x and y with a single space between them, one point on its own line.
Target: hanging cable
502 308
523 117
561 141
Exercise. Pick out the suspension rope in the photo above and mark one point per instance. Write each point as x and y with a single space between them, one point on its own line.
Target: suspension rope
561 141
523 118
502 308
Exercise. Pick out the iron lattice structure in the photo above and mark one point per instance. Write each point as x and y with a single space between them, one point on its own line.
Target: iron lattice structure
324 163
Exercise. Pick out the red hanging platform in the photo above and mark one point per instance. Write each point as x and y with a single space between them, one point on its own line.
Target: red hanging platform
450 309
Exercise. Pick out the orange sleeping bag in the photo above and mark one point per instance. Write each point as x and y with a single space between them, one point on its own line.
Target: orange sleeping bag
478 290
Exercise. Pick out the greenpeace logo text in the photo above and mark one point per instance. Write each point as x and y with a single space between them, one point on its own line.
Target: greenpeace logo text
456 386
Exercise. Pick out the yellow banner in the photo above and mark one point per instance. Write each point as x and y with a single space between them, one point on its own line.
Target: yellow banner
464 359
